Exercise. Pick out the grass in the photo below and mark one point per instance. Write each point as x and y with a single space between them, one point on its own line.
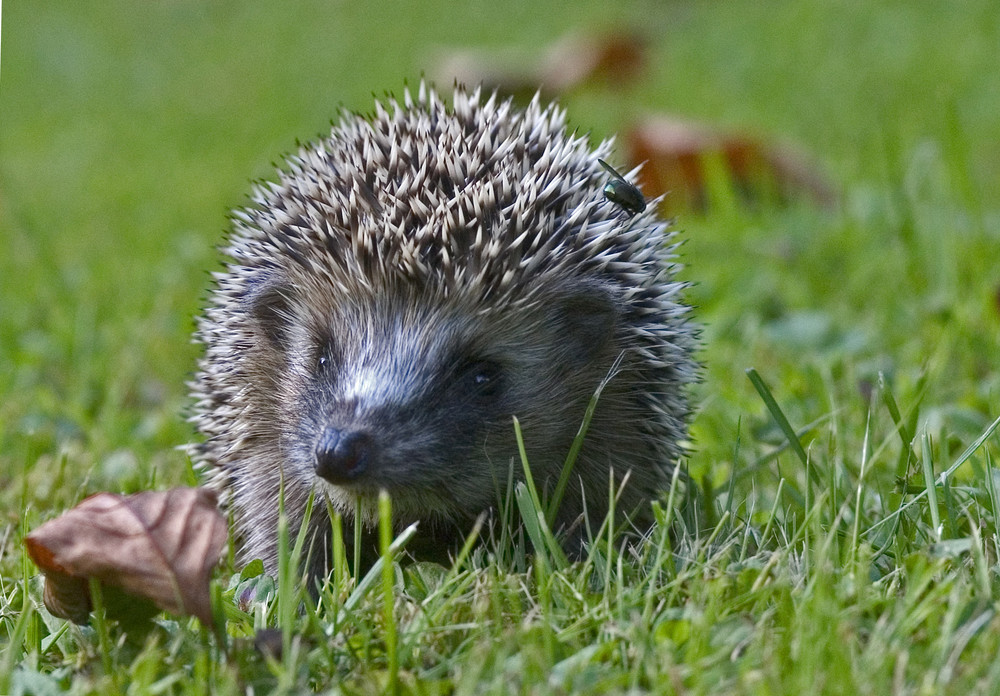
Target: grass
839 529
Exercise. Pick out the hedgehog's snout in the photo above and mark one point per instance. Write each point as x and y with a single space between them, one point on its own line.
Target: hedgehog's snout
342 456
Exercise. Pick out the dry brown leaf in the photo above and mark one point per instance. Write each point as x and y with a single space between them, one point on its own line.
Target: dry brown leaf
575 59
616 58
160 545
675 152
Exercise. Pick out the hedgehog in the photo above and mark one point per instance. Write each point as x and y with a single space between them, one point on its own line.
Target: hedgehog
407 287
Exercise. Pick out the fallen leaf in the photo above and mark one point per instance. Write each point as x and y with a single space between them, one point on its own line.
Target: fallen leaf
158 545
616 58
576 59
675 153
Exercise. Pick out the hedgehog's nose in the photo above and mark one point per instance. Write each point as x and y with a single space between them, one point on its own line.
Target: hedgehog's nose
342 455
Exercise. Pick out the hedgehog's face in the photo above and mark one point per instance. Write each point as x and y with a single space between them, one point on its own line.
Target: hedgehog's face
418 399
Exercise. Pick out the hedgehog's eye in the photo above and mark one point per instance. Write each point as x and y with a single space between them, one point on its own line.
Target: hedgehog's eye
484 378
323 361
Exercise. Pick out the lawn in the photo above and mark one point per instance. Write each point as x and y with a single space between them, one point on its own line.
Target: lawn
859 556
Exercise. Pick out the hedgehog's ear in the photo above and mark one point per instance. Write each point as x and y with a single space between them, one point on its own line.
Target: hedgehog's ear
271 308
585 324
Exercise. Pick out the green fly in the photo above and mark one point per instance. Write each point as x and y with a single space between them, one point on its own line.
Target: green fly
621 192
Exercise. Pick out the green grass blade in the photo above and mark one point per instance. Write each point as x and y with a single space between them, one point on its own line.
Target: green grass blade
927 466
388 595
964 457
374 574
783 424
574 451
532 510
